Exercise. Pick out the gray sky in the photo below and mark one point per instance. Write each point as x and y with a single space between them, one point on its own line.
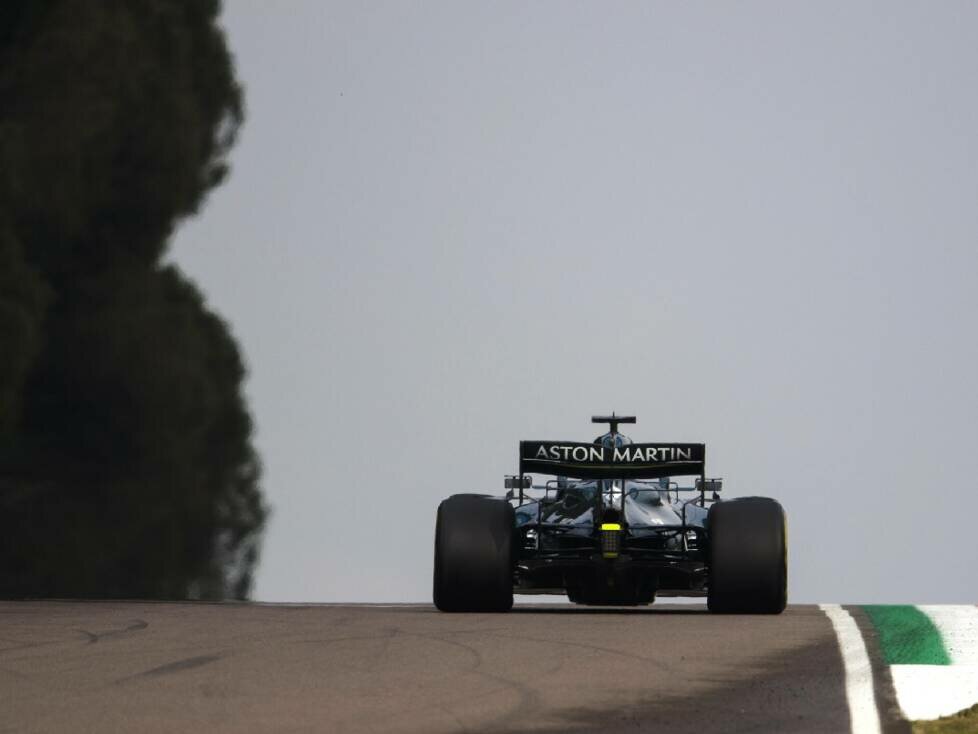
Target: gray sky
452 226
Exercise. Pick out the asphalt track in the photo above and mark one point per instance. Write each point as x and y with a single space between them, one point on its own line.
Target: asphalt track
152 667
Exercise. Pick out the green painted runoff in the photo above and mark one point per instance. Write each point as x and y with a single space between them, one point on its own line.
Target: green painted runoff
907 636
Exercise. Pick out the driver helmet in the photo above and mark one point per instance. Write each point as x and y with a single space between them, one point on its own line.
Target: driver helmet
613 440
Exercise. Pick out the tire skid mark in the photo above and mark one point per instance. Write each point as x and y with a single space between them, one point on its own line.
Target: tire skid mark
529 701
476 655
477 631
454 717
29 646
529 698
332 640
90 637
134 626
177 666
662 665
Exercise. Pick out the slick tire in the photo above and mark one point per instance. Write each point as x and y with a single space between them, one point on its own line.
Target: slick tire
474 555
748 557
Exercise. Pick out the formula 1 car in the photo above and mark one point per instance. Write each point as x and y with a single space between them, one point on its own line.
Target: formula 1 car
610 528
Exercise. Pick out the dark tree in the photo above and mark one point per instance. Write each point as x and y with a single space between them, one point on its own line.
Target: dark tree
126 462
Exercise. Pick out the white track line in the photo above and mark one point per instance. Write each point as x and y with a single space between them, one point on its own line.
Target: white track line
863 716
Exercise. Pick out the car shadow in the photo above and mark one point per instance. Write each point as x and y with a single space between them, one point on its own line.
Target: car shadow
574 610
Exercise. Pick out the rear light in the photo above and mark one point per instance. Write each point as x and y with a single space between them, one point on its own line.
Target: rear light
610 539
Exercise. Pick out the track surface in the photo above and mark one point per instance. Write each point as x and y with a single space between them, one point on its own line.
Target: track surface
121 666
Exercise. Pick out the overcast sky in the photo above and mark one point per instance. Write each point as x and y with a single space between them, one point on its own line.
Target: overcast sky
453 226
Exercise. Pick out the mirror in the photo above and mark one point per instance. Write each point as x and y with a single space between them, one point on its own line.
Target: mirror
514 482
710 485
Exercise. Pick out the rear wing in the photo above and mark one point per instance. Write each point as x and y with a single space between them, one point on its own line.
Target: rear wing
594 461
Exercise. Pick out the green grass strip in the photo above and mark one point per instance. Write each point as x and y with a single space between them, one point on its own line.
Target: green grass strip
907 636
965 722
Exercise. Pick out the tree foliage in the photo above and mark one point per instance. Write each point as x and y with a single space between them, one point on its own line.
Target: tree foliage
126 461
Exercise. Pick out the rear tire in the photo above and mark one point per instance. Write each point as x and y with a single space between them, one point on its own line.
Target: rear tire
474 555
747 557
